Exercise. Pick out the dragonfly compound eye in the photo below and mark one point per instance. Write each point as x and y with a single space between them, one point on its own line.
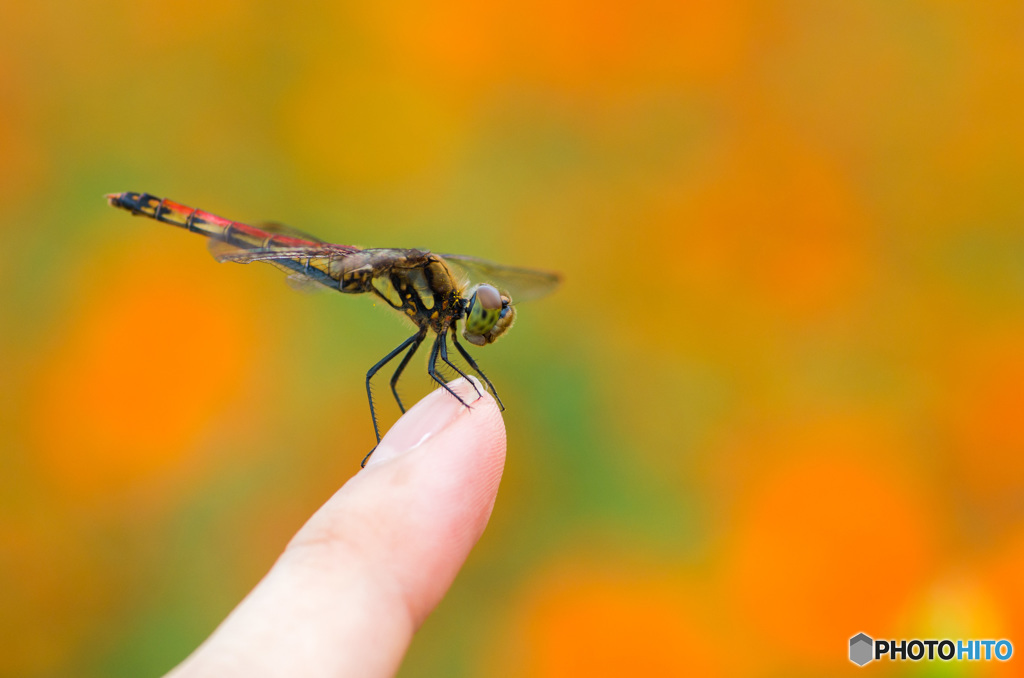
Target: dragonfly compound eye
489 315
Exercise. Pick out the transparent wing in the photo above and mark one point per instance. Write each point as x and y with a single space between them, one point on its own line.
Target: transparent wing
522 284
223 251
308 267
288 231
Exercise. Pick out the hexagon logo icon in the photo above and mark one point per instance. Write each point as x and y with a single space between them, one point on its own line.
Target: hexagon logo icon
861 649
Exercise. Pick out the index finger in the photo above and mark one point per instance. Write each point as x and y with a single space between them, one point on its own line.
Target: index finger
372 562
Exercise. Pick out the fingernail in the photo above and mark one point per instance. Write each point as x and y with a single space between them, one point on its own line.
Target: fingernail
423 421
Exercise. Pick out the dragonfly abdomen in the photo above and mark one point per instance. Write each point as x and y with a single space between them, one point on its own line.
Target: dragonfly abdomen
172 213
236 233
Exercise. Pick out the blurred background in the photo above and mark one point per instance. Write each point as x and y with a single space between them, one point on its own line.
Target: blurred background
777 401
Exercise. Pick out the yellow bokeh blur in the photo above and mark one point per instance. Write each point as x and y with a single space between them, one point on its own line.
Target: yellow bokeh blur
778 400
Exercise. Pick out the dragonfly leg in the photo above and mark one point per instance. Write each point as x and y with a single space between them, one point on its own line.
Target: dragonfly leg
432 367
449 363
369 376
472 363
401 367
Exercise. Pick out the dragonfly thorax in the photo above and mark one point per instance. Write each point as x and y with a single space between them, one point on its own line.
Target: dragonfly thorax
489 314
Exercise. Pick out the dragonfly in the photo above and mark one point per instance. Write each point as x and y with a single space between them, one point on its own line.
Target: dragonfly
435 291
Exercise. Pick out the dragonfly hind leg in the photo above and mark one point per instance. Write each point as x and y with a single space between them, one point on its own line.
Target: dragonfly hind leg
401 368
416 338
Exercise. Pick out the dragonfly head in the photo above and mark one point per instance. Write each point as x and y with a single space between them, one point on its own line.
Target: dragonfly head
489 314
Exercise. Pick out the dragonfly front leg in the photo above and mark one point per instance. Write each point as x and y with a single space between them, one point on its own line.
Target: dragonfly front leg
369 376
401 366
432 367
472 363
449 363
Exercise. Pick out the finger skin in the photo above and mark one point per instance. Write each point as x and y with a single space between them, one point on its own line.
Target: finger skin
357 580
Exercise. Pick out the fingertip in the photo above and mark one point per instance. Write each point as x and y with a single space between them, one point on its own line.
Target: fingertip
468 404
451 454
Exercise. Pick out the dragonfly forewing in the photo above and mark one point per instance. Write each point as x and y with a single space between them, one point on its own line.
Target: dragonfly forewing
521 284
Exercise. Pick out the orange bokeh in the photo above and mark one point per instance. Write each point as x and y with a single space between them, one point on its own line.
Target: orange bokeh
140 370
158 25
45 567
981 413
582 621
1001 571
408 131
593 47
775 233
24 162
779 226
832 537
